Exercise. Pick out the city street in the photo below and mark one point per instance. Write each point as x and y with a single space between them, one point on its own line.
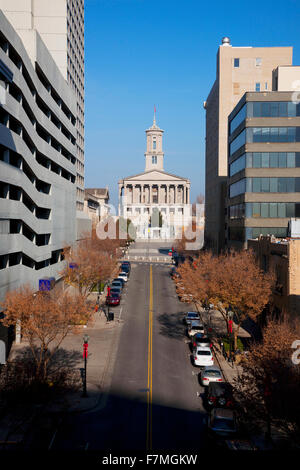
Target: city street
152 402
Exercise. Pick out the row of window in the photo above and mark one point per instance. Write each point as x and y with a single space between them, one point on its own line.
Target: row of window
265 134
264 185
16 59
265 109
15 193
243 234
15 226
264 209
265 160
15 126
19 258
16 93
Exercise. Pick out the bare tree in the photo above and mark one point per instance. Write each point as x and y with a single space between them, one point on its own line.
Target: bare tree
45 319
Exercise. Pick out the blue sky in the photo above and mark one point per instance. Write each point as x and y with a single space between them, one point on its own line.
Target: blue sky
141 53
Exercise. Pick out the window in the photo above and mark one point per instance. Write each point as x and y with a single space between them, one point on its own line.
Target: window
236 63
257 86
258 61
237 165
238 118
154 144
273 134
154 159
272 108
237 188
238 142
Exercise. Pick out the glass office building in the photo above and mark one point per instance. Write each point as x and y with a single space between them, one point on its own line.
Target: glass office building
264 166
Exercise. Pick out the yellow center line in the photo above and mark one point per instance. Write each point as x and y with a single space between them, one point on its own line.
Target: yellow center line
149 388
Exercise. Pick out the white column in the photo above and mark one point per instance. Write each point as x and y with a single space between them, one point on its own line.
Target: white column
168 193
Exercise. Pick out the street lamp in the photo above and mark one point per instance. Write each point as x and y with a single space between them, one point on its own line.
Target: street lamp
85 354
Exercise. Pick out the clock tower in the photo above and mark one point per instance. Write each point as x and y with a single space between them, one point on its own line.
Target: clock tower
154 154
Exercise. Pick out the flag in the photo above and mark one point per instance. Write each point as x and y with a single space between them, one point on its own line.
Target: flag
154 109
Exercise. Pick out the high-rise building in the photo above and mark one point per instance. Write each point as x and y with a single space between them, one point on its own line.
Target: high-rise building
37 162
239 69
60 24
264 166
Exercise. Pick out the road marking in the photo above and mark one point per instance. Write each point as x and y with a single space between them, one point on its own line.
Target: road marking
149 387
52 440
120 313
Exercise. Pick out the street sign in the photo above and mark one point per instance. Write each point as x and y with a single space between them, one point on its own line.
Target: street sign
73 265
46 284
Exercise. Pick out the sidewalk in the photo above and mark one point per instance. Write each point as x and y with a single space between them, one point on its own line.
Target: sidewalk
215 321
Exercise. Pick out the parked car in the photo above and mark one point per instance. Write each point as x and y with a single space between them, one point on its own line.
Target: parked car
126 264
123 275
184 297
115 290
222 423
113 299
195 327
210 374
239 444
199 339
202 356
118 279
125 269
117 283
190 316
219 394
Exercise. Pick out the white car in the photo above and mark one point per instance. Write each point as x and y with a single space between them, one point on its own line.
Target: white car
195 327
210 374
123 276
203 356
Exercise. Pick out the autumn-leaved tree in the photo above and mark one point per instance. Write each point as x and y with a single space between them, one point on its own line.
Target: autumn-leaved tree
241 287
195 277
45 319
88 263
267 390
232 282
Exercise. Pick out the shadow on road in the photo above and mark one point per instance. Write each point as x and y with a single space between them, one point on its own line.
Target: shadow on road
171 325
123 425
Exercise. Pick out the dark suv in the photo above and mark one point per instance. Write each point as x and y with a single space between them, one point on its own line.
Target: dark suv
126 267
219 395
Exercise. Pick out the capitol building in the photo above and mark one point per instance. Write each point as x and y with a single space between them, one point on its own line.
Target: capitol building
157 202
